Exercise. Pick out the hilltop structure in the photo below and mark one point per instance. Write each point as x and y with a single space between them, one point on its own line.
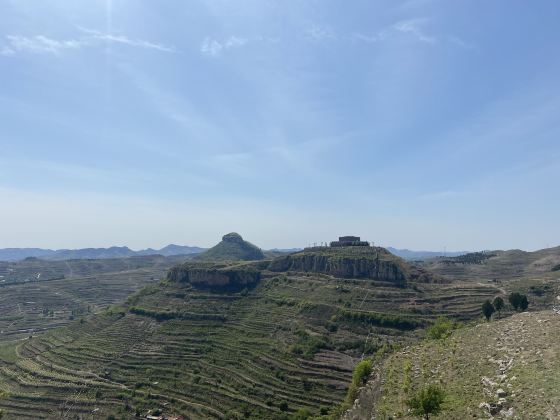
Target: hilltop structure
349 241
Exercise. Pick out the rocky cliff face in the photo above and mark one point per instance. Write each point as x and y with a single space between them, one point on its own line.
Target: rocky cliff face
371 263
343 262
215 277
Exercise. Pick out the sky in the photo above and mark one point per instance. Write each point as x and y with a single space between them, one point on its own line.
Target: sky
421 124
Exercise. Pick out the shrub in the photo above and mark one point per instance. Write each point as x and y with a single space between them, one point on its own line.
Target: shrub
426 401
302 414
518 301
381 320
441 328
361 372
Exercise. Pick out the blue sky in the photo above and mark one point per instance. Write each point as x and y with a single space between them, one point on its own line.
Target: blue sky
423 124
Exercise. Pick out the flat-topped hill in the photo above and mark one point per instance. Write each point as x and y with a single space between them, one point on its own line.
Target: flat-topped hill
352 262
232 248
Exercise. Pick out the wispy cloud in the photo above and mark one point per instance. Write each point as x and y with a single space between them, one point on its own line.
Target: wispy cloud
214 48
122 39
414 28
461 43
369 39
6 51
41 44
38 44
320 32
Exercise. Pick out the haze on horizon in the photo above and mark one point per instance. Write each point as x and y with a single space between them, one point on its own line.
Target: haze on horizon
419 124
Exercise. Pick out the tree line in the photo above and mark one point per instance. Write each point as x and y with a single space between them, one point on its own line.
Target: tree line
517 301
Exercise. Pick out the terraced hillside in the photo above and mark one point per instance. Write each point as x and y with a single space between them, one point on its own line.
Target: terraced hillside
508 368
34 269
532 273
497 265
32 307
289 343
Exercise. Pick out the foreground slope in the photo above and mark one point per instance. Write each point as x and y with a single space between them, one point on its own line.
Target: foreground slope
508 368
286 342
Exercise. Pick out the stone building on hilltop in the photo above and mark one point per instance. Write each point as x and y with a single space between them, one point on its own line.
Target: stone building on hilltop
349 241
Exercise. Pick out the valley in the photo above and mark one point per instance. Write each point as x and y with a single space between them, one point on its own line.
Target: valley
272 338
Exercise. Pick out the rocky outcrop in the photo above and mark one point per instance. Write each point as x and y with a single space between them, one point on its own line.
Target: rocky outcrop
371 263
201 276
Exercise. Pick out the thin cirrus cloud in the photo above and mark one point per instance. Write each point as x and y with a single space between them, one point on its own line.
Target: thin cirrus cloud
38 44
213 47
413 27
41 44
121 39
320 32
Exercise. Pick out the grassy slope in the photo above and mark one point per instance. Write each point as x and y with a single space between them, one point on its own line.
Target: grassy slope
214 354
519 354
232 251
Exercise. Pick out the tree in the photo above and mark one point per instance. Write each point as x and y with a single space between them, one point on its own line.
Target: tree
518 301
498 304
488 309
523 303
515 300
426 401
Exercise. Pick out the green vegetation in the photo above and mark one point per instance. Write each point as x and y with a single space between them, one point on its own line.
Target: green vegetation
428 400
441 328
518 301
472 258
488 309
381 320
516 358
498 304
361 372
232 248
33 308
261 352
262 339
359 377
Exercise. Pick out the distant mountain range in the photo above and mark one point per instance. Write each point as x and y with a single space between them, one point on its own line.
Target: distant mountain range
408 254
17 254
